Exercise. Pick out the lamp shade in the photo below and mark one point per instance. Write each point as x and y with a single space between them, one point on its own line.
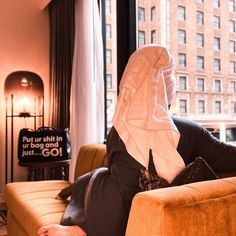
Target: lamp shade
27 88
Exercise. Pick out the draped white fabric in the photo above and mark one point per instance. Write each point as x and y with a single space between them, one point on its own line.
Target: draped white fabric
87 90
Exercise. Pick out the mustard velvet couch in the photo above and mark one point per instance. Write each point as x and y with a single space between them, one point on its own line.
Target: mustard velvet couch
199 209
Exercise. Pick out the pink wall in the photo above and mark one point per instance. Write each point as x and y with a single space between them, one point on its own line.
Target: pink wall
24 45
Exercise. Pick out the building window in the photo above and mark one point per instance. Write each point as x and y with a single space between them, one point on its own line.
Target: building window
141 14
109 81
232 46
200 84
108 6
183 106
201 106
108 56
200 18
108 31
232 86
182 36
216 43
153 36
200 62
217 107
216 3
231 26
153 13
181 13
182 82
232 5
141 38
182 59
233 107
200 40
216 65
217 86
200 1
232 68
216 22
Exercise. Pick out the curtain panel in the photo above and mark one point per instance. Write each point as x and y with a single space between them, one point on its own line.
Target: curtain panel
62 27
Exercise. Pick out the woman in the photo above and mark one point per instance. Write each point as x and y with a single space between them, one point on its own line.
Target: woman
143 133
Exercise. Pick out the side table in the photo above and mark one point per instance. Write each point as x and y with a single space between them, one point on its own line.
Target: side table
47 170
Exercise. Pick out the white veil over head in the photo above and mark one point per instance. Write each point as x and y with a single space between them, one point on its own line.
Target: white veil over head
141 117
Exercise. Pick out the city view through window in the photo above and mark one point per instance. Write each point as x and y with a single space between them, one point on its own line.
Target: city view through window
201 36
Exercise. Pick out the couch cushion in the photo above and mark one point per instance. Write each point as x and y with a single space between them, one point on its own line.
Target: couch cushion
33 204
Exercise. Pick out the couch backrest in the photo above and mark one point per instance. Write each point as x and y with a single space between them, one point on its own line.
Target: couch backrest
90 157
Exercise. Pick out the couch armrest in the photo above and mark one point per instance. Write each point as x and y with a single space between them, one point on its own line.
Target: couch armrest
90 157
203 208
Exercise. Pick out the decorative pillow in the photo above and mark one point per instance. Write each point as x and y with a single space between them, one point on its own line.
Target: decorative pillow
196 171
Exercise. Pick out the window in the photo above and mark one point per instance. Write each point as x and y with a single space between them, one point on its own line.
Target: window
182 82
153 13
216 22
108 56
153 36
200 40
183 106
233 107
232 5
232 26
216 65
108 31
232 86
200 62
200 18
200 84
141 14
141 38
182 59
232 68
232 46
216 3
181 13
217 107
200 1
182 36
217 86
108 6
201 106
109 81
216 43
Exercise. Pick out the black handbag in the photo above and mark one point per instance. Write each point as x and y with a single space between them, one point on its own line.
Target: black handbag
44 144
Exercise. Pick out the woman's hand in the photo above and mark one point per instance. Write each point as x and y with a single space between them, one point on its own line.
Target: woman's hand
60 230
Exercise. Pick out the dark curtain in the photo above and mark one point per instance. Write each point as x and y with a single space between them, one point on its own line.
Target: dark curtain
62 27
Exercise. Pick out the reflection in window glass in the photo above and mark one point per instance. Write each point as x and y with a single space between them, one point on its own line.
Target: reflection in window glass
231 5
200 18
232 46
181 13
200 84
201 106
217 66
182 82
141 14
216 3
233 107
153 36
232 26
200 62
232 68
183 106
182 36
182 60
153 13
141 38
232 86
200 40
216 22
216 43
217 107
218 86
